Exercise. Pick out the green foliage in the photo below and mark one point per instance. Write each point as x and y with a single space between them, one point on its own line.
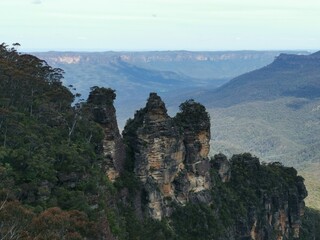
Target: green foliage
129 181
101 96
227 202
129 132
273 132
27 82
196 222
49 151
192 116
310 225
131 227
57 224
15 220
18 222
250 179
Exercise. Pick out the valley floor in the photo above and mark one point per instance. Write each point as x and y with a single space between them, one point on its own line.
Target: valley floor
311 175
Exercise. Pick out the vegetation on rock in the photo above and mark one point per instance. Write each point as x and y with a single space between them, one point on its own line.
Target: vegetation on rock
192 116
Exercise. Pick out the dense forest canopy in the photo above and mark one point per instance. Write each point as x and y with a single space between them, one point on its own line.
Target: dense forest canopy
49 155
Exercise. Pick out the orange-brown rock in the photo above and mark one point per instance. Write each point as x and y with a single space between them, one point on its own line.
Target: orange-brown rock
172 159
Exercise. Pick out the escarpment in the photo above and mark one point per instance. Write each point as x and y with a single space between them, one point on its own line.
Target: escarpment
171 163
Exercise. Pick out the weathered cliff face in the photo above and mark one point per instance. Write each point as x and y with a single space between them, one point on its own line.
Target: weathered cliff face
171 164
280 213
278 206
104 113
194 124
169 156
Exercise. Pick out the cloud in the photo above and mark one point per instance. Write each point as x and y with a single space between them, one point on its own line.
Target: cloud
37 1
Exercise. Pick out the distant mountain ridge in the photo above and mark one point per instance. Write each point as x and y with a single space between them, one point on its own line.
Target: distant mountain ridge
205 64
289 75
174 74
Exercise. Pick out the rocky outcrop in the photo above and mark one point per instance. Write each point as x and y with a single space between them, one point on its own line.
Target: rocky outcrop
104 113
169 156
194 124
222 165
271 194
280 214
171 163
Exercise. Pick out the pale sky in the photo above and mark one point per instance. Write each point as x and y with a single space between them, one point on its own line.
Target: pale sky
161 24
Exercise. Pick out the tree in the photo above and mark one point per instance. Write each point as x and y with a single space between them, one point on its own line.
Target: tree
14 220
56 224
192 116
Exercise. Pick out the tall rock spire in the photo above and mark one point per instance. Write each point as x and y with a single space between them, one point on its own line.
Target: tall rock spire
160 158
104 113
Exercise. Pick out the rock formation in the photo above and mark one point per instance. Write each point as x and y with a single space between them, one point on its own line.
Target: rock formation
169 156
222 164
104 113
277 210
171 163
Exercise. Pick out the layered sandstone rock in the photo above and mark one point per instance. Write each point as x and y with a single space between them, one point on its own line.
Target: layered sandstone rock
170 158
281 214
171 161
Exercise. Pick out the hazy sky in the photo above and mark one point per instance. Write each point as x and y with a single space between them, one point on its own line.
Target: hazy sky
160 24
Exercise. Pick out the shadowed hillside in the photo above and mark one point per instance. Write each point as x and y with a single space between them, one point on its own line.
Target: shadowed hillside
288 76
